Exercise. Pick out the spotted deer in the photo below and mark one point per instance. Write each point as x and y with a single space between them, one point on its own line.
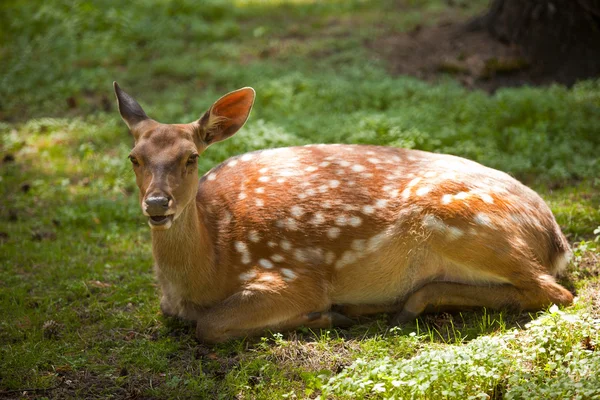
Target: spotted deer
316 235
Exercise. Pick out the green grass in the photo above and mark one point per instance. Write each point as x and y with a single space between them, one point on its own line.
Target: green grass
79 314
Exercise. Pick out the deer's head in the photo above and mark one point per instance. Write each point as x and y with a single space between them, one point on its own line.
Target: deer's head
165 156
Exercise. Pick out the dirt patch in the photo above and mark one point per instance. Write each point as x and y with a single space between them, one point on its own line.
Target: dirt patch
474 58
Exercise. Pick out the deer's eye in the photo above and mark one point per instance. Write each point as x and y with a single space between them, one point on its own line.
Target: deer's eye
192 159
134 160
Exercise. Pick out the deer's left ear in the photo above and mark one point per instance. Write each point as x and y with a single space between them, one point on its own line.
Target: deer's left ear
226 116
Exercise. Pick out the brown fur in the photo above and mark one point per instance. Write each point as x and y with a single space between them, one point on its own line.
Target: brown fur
273 239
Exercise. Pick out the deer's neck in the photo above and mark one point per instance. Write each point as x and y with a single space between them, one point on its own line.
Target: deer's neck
185 250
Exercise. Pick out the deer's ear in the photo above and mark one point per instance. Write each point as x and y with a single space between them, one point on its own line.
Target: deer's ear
226 116
131 112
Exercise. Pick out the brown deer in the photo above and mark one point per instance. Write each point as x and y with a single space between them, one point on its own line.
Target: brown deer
274 239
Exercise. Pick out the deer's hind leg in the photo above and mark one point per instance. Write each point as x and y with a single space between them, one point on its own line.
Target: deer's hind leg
444 296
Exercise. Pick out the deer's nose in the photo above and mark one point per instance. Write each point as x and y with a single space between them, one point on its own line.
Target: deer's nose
157 204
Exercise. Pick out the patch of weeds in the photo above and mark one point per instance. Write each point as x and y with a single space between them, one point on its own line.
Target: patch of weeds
552 347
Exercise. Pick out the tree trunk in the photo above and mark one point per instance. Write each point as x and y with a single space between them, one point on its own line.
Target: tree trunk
561 38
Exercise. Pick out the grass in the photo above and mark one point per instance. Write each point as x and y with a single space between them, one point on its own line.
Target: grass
80 315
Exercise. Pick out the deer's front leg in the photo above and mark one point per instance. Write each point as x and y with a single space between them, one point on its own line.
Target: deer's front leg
267 305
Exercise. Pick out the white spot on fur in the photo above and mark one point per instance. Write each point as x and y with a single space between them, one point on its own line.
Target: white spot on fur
359 245
413 182
355 221
373 160
297 211
519 219
227 217
232 163
324 164
288 274
329 257
242 196
448 176
240 247
315 254
246 276
259 202
341 220
300 255
285 245
271 244
277 258
461 195
333 233
423 190
287 173
368 210
344 163
394 193
446 199
280 180
406 193
247 157
323 188
487 198
483 219
454 233
317 219
246 258
430 174
264 179
310 192
381 203
263 170
291 224
442 163
212 176
327 204
334 183
265 263
349 257
260 190
433 223
253 236
302 195
375 242
311 169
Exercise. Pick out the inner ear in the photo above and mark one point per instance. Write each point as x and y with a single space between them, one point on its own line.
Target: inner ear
226 116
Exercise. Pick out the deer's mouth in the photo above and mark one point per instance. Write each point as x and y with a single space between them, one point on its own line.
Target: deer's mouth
160 221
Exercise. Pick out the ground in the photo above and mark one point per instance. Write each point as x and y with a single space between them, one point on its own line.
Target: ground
79 304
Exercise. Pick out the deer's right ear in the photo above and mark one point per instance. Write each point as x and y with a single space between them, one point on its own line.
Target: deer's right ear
131 112
226 116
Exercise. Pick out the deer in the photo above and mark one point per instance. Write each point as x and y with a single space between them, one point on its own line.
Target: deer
320 235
